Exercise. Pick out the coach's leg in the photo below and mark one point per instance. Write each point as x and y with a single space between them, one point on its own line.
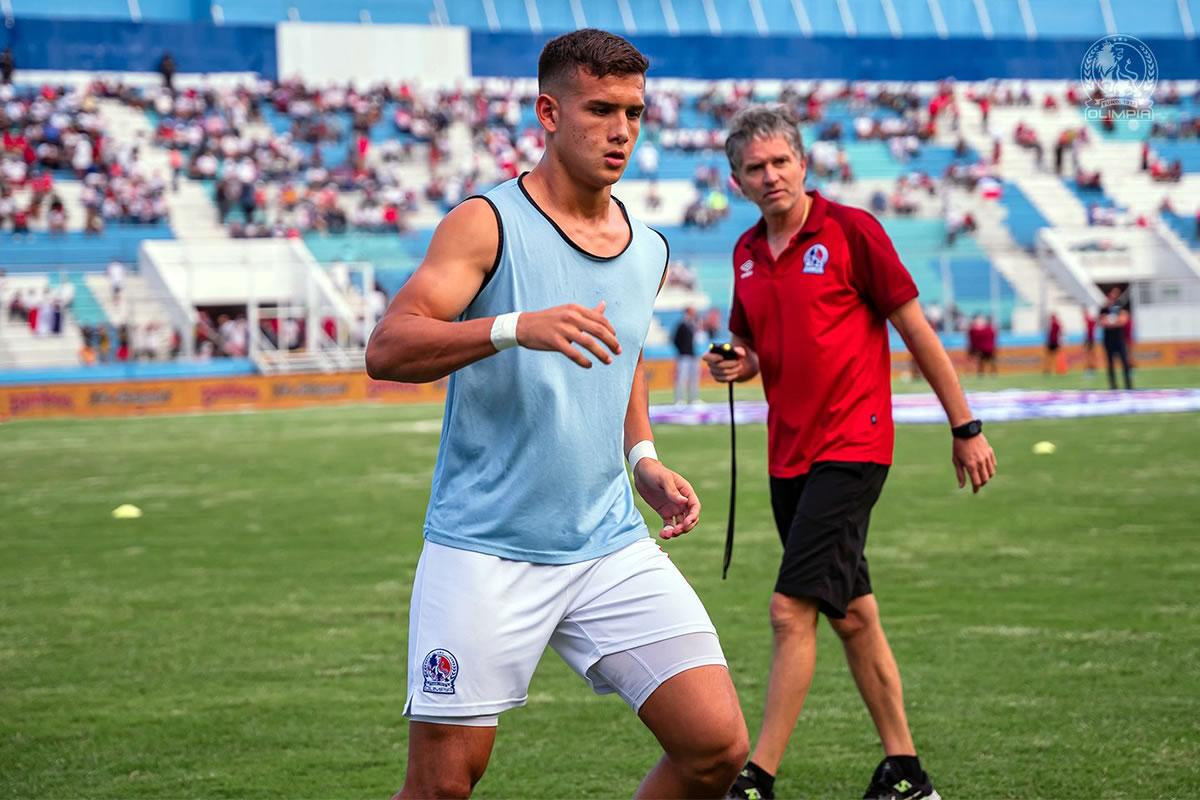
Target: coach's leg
696 718
445 761
794 627
875 671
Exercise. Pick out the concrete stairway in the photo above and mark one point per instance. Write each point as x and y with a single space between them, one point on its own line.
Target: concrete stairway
193 213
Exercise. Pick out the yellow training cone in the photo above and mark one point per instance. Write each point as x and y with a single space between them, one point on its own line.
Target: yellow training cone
1044 448
126 511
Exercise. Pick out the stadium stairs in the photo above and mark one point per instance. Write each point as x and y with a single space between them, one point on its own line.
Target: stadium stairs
1057 205
193 213
1119 162
20 347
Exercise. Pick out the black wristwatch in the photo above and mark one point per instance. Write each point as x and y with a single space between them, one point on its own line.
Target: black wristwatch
968 430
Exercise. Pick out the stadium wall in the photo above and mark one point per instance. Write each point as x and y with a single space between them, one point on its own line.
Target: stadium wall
326 53
840 58
138 398
113 46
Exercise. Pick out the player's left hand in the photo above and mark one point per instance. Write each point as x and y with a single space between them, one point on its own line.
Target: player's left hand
669 494
974 458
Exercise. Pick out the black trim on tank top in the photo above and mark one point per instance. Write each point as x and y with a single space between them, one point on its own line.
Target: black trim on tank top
666 264
567 239
499 243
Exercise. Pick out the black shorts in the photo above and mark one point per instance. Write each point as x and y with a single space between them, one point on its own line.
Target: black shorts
822 517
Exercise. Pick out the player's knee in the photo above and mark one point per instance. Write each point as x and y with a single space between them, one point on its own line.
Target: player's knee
437 784
715 767
854 623
792 616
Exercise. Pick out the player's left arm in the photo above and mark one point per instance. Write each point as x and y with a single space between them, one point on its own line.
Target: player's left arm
972 457
672 497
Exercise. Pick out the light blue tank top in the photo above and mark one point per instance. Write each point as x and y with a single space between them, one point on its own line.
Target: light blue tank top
531 465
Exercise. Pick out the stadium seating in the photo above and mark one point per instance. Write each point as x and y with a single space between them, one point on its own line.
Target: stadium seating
43 252
1024 219
85 308
1184 226
101 9
1048 19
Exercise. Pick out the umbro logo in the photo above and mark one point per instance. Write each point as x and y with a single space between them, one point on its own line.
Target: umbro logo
747 268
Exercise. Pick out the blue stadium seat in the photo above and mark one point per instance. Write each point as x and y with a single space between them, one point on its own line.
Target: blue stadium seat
735 17
261 12
825 18
385 251
604 14
1149 19
961 19
869 19
1056 19
1184 226
85 307
934 159
781 18
1024 219
398 12
322 11
1005 16
556 15
1186 150
690 14
42 252
174 10
512 13
917 20
1089 197
100 9
648 15
468 13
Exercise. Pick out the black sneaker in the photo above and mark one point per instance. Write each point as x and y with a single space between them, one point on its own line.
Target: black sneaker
744 788
889 783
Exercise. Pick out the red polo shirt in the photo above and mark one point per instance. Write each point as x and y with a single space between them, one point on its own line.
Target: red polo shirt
817 318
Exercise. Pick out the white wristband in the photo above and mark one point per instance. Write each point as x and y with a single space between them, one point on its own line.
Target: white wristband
643 449
504 330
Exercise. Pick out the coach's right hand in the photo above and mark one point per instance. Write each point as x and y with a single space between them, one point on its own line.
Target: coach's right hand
562 327
727 370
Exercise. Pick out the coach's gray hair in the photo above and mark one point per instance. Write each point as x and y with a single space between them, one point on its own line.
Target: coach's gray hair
759 122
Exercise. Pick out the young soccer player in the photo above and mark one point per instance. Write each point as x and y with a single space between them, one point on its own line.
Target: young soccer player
536 299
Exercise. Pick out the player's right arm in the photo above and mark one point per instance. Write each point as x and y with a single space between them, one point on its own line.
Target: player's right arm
419 338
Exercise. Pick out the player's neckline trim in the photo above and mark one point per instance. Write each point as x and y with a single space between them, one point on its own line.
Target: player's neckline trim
562 233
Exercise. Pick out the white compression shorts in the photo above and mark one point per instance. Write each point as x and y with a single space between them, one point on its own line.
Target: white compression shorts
625 623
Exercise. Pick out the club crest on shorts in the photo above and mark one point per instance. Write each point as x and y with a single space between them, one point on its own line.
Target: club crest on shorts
440 669
815 259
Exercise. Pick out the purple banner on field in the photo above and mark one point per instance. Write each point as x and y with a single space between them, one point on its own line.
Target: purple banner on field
1014 404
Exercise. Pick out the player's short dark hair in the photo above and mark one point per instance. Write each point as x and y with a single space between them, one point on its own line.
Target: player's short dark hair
757 122
599 53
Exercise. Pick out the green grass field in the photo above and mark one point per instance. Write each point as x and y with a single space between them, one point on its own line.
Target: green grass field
246 637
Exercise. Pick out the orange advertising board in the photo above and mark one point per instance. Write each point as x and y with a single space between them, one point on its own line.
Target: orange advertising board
134 398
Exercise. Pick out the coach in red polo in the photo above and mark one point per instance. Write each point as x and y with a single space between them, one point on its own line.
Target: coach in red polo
815 284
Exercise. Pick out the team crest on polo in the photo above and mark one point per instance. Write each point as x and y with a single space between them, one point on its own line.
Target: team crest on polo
440 669
747 268
815 259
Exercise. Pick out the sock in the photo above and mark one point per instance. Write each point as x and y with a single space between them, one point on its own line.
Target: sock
762 779
910 766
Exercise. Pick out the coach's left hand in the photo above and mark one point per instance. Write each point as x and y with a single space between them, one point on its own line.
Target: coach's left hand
669 494
973 458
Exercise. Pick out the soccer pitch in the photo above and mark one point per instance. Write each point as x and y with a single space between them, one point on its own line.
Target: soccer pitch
245 638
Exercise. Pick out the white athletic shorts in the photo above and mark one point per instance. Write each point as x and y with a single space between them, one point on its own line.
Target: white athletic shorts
479 623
